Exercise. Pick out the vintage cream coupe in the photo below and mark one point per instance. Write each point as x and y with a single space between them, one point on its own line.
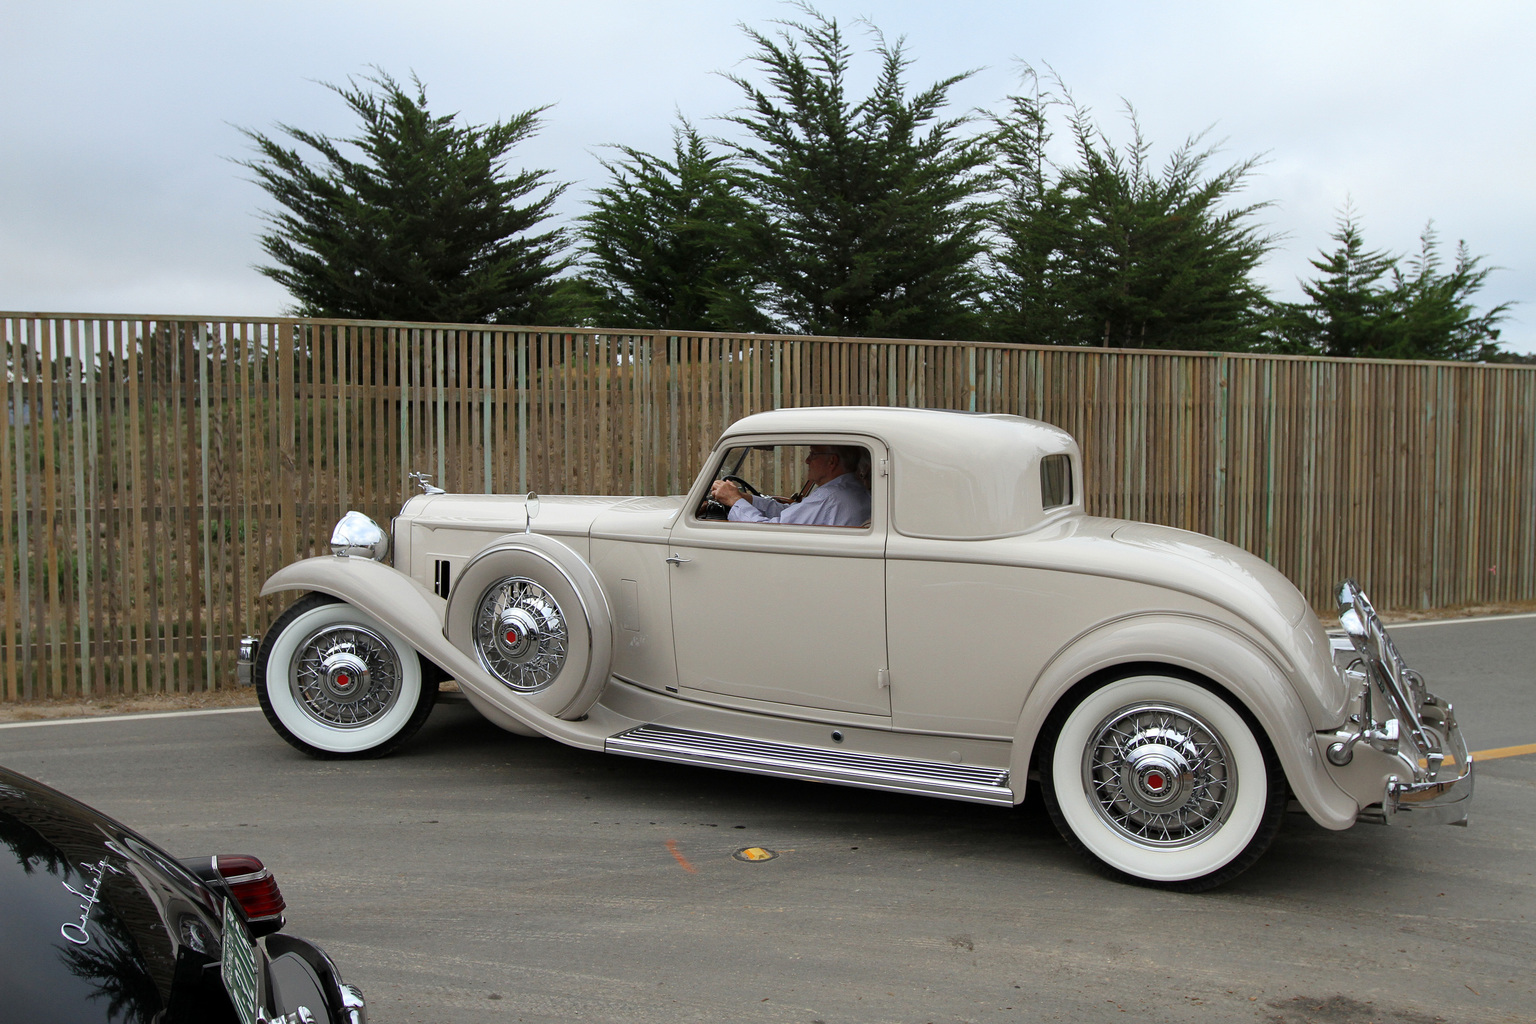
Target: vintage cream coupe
1170 692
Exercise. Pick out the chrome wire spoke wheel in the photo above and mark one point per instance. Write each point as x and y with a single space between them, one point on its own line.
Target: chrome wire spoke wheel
1163 780
520 634
532 616
345 676
334 681
1159 775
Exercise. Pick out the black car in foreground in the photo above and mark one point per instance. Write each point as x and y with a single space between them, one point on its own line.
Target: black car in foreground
97 924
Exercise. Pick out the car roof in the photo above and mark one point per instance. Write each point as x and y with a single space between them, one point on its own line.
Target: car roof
955 475
934 431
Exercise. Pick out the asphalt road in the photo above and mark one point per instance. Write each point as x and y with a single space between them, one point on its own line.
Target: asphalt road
479 876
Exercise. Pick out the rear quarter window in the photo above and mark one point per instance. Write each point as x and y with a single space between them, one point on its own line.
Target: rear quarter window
1055 481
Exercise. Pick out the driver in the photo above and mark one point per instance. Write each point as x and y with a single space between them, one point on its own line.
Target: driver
840 497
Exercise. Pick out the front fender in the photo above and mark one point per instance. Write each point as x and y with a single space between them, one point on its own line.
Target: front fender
405 605
1215 652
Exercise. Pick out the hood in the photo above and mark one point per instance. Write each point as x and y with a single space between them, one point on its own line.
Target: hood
557 515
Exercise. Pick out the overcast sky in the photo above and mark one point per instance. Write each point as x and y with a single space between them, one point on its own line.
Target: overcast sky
119 123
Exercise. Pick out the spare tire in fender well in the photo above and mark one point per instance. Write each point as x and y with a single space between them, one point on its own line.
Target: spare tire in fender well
531 611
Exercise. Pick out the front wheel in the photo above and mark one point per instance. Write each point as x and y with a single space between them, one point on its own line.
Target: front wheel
1160 780
335 682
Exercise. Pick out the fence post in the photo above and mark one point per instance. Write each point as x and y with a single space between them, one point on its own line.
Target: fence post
1223 397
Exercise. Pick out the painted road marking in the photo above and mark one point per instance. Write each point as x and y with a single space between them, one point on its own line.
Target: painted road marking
1498 752
124 718
672 848
1393 627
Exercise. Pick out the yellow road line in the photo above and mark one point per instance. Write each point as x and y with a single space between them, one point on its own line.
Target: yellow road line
1488 755
1497 752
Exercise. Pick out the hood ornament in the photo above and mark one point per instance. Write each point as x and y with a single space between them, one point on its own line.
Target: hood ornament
424 481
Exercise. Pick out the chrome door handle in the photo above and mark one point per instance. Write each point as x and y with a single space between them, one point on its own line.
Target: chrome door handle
677 560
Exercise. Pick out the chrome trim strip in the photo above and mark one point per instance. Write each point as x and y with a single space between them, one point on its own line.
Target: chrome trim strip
250 876
975 783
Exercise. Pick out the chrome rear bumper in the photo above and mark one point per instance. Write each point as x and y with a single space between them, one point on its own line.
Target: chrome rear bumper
1399 716
1436 801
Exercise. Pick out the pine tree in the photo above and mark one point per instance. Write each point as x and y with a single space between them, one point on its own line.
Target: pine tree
669 241
872 207
1350 311
1113 252
1438 319
1364 304
1033 298
428 225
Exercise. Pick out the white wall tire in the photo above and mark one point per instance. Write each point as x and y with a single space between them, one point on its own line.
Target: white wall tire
1161 780
335 682
532 613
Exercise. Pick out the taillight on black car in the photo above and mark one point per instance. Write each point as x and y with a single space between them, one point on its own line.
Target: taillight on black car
254 889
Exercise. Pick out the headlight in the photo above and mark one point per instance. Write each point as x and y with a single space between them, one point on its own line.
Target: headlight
356 534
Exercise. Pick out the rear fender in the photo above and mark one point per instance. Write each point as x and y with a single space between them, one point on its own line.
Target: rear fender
405 605
1208 650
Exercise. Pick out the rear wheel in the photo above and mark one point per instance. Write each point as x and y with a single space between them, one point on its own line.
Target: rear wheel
1160 780
335 682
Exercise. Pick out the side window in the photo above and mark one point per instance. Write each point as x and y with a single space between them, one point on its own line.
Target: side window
800 484
1055 481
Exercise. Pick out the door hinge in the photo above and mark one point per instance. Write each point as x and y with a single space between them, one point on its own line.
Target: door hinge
883 678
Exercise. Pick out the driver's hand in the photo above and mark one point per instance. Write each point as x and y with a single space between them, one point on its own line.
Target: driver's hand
725 492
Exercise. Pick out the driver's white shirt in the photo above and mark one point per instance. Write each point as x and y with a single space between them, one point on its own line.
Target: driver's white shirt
842 501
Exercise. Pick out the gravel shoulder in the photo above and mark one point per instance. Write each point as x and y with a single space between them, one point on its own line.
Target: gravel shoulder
128 704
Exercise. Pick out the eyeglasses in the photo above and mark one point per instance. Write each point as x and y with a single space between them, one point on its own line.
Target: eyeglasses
814 455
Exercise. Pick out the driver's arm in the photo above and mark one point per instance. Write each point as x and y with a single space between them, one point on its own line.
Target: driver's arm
745 507
759 509
726 493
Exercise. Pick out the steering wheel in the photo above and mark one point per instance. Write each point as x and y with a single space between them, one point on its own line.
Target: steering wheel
709 508
739 482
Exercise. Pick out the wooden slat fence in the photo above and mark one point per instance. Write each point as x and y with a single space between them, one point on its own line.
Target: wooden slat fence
154 471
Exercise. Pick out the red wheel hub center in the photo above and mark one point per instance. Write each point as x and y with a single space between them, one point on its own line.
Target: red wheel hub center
511 636
1156 782
343 680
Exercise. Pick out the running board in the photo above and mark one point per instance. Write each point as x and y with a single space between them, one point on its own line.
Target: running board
791 761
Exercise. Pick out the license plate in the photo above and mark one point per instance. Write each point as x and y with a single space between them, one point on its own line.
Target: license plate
238 965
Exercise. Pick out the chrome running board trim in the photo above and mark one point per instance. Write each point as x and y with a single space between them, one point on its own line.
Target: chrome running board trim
849 767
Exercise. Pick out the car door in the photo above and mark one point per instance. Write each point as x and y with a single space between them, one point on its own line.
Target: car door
769 615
